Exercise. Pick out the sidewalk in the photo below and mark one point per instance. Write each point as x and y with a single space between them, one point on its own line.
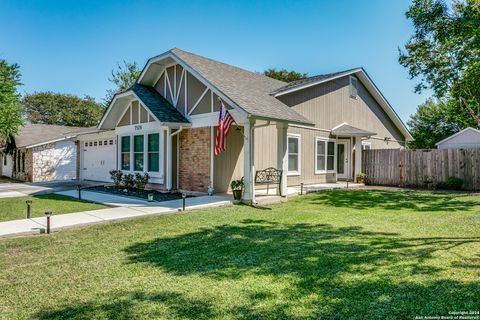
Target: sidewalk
11 189
127 211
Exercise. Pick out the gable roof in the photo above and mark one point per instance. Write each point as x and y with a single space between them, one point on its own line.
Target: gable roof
362 75
248 91
32 135
347 130
457 134
314 80
163 110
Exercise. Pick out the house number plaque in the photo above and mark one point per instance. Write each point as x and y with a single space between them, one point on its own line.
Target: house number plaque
137 128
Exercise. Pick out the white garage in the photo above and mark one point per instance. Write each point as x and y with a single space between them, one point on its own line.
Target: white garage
466 139
98 156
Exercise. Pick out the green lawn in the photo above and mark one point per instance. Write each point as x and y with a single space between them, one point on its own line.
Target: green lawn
16 208
333 255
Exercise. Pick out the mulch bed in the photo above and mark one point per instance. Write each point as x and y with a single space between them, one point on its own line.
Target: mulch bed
158 196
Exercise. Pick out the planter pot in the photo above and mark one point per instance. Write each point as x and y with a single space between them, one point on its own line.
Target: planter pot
360 180
237 194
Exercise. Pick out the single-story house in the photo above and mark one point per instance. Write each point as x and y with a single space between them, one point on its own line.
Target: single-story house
165 124
41 153
465 139
314 129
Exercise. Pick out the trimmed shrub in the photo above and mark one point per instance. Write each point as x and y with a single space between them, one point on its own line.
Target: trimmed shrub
116 176
141 180
452 183
128 181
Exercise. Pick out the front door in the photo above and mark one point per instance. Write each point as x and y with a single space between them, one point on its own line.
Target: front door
343 160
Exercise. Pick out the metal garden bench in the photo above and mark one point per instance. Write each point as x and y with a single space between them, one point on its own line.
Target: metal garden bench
269 176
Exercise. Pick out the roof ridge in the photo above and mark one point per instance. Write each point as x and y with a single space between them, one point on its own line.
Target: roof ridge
324 76
260 74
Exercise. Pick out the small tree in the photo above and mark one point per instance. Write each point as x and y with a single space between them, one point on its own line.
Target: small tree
285 75
435 120
10 109
123 77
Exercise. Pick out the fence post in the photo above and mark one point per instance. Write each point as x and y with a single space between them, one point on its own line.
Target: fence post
401 165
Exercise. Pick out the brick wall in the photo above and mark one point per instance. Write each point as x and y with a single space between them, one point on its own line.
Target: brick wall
194 159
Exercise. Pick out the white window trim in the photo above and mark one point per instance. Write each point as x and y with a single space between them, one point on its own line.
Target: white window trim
160 174
132 155
326 140
299 139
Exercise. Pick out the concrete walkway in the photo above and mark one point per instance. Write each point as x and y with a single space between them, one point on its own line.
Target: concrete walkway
126 211
307 188
10 189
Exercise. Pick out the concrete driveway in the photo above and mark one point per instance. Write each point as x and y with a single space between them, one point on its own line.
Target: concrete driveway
9 189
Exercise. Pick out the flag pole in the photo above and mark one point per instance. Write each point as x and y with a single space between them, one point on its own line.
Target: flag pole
236 124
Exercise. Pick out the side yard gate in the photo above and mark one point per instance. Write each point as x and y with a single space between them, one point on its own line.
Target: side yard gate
421 168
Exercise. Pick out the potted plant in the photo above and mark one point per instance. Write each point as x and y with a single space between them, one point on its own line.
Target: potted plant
237 188
360 177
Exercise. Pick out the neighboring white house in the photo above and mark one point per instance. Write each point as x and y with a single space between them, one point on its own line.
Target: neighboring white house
465 139
42 153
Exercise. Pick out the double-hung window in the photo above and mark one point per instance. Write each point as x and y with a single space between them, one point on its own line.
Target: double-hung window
153 152
125 156
138 153
324 156
293 155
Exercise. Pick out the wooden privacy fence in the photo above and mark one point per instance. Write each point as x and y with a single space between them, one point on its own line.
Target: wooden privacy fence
421 168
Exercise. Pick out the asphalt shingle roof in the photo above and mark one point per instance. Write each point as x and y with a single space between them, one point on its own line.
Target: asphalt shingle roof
348 130
251 91
313 79
36 134
158 105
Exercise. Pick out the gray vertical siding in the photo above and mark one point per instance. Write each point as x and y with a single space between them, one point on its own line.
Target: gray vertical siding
329 104
228 165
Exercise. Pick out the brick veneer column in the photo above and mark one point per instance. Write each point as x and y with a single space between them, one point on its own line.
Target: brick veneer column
194 159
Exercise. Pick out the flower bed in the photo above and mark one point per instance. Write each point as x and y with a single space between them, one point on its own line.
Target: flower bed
136 193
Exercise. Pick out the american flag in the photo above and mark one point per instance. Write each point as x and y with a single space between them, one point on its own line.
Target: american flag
225 121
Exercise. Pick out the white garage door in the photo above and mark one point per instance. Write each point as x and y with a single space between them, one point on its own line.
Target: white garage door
99 157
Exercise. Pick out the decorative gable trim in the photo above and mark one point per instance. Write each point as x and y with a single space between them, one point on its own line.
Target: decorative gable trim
193 72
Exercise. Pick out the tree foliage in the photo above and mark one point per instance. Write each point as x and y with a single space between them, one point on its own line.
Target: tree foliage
10 109
123 77
61 109
444 51
284 75
435 120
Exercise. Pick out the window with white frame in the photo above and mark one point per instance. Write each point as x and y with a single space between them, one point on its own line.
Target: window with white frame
125 154
138 153
153 152
366 145
324 155
353 87
293 154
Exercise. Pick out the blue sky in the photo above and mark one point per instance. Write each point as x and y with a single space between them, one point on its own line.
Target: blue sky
71 46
